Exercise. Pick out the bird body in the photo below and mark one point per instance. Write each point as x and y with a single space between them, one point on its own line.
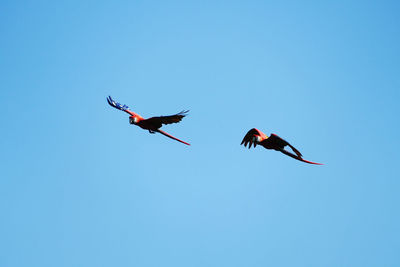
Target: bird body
152 124
256 137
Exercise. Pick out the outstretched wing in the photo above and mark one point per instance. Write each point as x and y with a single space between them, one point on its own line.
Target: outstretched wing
253 137
119 106
168 119
280 142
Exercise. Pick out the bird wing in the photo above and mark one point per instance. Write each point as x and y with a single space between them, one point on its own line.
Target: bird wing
282 143
298 157
119 106
253 137
168 119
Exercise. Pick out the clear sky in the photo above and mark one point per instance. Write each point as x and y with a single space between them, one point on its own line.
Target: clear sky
80 186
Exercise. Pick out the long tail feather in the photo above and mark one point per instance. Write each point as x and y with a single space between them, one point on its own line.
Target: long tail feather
170 136
297 157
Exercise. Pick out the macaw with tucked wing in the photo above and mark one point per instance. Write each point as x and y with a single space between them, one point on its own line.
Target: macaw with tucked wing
256 137
152 124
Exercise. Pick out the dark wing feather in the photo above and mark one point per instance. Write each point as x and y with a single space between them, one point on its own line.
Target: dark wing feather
282 143
168 119
298 157
249 138
295 150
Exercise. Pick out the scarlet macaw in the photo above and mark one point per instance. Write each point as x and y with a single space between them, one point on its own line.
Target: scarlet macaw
152 124
256 137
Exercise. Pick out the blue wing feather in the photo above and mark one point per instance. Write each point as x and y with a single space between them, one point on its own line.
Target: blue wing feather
116 105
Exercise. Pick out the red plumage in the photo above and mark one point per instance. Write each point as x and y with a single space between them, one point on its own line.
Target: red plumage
152 124
256 137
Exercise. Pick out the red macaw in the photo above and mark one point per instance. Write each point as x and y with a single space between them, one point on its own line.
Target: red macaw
152 124
256 137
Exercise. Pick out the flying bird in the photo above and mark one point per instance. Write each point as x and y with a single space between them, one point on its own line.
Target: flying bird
152 124
256 137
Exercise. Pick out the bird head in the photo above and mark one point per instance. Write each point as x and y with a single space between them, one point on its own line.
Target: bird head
257 139
133 120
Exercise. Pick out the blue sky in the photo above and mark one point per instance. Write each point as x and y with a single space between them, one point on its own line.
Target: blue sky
82 187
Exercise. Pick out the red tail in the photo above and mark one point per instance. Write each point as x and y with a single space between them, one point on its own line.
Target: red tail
297 157
316 163
170 136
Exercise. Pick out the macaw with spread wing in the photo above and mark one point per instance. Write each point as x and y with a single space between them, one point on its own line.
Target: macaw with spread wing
256 137
152 124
